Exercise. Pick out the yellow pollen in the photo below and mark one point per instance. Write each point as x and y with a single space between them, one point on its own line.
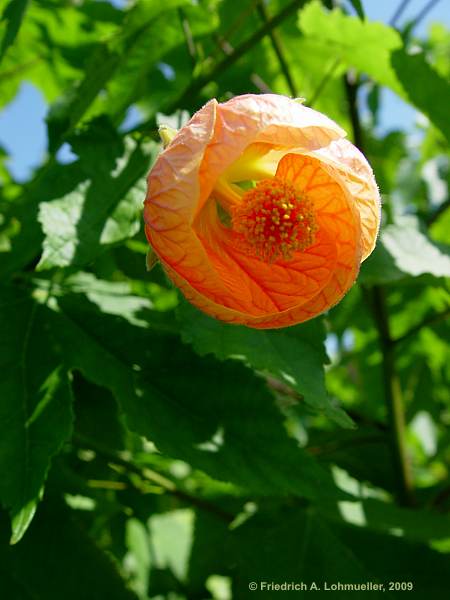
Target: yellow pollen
291 225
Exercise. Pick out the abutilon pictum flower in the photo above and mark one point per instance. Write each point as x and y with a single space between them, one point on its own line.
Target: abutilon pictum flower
261 212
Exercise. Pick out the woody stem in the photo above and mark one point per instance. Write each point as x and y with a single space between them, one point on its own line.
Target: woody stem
278 49
152 476
391 381
394 399
199 82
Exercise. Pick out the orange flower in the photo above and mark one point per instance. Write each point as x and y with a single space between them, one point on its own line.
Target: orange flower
261 212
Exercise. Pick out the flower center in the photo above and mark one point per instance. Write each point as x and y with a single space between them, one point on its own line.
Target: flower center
275 219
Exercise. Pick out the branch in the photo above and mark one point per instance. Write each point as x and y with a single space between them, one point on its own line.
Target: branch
150 475
201 81
8 74
189 39
398 13
438 212
392 390
423 13
337 446
198 84
394 399
278 49
323 82
351 88
441 500
430 320
238 21
279 387
257 81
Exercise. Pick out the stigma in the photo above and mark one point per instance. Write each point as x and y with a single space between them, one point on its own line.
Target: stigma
275 220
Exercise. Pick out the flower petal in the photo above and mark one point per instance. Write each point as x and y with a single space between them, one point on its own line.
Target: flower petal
245 138
265 118
173 192
352 166
284 292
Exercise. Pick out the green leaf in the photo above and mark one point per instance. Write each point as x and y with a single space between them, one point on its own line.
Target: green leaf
383 517
209 550
171 534
13 15
217 416
57 560
94 405
296 545
55 41
104 60
402 251
357 5
103 209
424 87
364 453
295 355
134 77
66 112
394 558
35 412
377 50
25 246
111 297
139 76
138 543
364 45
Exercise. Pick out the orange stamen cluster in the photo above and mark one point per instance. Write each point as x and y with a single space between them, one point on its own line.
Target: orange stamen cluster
275 220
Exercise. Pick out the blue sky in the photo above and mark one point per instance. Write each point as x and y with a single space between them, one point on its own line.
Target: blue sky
22 125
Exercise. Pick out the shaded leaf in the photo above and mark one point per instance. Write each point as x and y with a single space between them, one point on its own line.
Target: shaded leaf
35 412
217 416
57 559
13 15
295 546
393 558
383 517
357 5
424 87
300 546
295 355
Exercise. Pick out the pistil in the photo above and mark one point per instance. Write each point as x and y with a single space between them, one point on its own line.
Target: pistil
275 220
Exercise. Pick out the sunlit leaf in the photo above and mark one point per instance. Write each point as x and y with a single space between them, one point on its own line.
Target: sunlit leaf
364 45
403 251
104 208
